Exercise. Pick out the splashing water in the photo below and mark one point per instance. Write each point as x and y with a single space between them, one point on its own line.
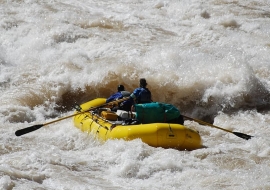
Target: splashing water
210 59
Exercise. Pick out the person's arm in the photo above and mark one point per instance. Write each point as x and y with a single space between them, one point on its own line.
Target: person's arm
109 99
150 95
135 94
115 96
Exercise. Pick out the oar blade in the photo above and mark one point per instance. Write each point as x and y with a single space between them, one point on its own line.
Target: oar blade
242 135
28 130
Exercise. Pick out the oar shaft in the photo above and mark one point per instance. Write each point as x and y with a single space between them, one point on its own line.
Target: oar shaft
241 135
209 124
36 127
93 108
60 119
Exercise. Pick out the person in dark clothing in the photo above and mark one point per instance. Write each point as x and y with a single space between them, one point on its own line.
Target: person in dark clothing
140 95
119 94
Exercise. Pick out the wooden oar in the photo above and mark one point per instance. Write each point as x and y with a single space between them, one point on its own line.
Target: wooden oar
36 127
241 135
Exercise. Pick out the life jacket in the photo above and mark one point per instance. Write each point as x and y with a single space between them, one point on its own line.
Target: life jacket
144 96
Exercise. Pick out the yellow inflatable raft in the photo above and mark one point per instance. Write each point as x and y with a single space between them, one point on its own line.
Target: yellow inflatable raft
104 125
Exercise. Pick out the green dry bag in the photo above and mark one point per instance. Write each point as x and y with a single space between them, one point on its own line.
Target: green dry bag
156 112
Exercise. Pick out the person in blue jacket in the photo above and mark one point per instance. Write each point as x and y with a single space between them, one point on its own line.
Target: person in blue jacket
119 94
140 95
